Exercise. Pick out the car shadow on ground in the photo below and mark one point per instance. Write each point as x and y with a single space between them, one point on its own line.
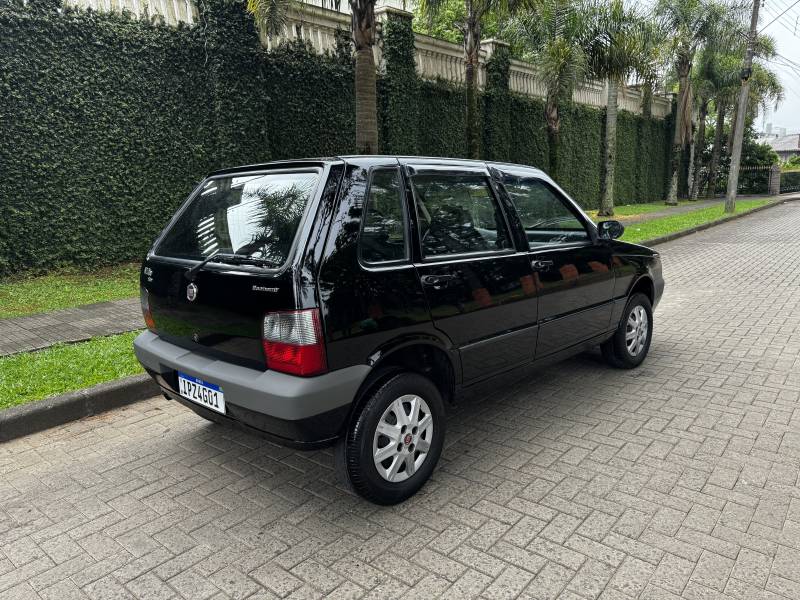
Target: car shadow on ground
496 432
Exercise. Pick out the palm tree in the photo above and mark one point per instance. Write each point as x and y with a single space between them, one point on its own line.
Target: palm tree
272 15
555 35
617 48
690 23
652 61
476 12
704 84
724 81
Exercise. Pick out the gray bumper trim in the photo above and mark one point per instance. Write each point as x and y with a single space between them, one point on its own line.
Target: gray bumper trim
267 392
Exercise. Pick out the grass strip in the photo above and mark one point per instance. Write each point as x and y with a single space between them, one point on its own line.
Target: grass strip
649 230
63 368
66 289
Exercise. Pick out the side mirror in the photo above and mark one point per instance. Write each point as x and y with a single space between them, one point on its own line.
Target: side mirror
610 230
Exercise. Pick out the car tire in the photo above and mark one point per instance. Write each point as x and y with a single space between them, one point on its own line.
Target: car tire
629 345
400 473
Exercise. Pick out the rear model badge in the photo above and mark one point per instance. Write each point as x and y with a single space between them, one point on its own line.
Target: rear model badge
191 292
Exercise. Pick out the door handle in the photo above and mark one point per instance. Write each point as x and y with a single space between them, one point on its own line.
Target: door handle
541 265
438 282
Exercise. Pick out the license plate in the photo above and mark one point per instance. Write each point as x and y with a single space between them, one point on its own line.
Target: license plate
202 392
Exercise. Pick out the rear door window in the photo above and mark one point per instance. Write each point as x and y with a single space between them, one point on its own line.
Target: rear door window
458 214
383 233
255 216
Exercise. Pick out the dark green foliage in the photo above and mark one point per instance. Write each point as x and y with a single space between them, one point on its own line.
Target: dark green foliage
642 159
442 122
400 88
790 181
103 136
109 122
309 103
497 107
528 132
580 161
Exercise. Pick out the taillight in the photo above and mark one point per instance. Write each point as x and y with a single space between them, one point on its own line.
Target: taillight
293 342
148 316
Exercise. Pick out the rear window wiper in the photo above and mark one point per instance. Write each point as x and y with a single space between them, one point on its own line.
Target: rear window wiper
226 257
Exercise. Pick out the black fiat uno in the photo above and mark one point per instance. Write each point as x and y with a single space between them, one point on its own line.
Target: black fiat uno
350 300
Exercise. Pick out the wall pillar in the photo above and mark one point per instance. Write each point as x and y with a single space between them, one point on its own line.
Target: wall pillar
399 100
775 180
497 101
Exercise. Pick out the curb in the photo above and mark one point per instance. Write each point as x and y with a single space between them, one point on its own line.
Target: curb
42 414
679 234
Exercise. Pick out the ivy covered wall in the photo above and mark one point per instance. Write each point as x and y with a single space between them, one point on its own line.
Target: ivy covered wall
109 122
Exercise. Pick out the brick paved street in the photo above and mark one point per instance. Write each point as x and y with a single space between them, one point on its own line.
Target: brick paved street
678 479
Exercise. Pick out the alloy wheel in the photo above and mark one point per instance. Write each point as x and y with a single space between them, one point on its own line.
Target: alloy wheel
636 330
402 438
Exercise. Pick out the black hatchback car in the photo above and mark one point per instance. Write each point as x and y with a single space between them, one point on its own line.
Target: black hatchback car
349 300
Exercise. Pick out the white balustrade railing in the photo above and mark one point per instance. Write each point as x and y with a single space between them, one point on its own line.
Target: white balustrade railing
171 11
317 23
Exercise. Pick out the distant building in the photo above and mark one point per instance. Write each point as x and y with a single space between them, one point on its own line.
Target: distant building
786 146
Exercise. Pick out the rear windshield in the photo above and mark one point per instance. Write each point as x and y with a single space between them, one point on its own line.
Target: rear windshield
255 216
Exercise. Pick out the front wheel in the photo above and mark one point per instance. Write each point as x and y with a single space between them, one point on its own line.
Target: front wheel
630 344
395 442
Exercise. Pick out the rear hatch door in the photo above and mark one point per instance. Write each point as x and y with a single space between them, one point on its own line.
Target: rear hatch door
250 227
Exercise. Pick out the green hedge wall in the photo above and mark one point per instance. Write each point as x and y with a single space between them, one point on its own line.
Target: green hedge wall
112 121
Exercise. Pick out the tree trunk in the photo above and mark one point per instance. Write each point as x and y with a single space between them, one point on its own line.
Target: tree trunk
699 146
690 173
553 120
472 46
610 150
679 139
716 151
647 99
363 23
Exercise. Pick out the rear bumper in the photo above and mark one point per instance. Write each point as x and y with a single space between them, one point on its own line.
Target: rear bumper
294 411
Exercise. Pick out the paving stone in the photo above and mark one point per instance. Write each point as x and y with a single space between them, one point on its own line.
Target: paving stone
674 480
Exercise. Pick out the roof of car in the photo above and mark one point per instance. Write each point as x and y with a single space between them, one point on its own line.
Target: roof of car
356 158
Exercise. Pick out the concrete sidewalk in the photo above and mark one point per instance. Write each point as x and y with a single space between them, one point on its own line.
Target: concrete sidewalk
34 332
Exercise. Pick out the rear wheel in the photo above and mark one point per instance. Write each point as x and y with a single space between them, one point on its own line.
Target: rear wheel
393 445
630 344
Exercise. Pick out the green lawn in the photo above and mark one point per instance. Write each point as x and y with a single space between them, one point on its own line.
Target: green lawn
65 367
65 289
649 230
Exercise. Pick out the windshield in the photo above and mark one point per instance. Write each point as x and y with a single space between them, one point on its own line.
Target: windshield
252 216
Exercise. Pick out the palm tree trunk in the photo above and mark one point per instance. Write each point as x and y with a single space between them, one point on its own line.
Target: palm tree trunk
690 173
472 46
699 146
647 99
610 150
679 139
363 23
716 151
553 120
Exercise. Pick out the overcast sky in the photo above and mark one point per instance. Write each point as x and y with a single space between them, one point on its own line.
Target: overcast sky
786 31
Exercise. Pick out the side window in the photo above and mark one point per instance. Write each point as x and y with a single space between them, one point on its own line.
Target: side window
383 236
544 215
458 214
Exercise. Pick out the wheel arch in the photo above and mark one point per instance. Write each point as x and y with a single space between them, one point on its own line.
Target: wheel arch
425 355
643 284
